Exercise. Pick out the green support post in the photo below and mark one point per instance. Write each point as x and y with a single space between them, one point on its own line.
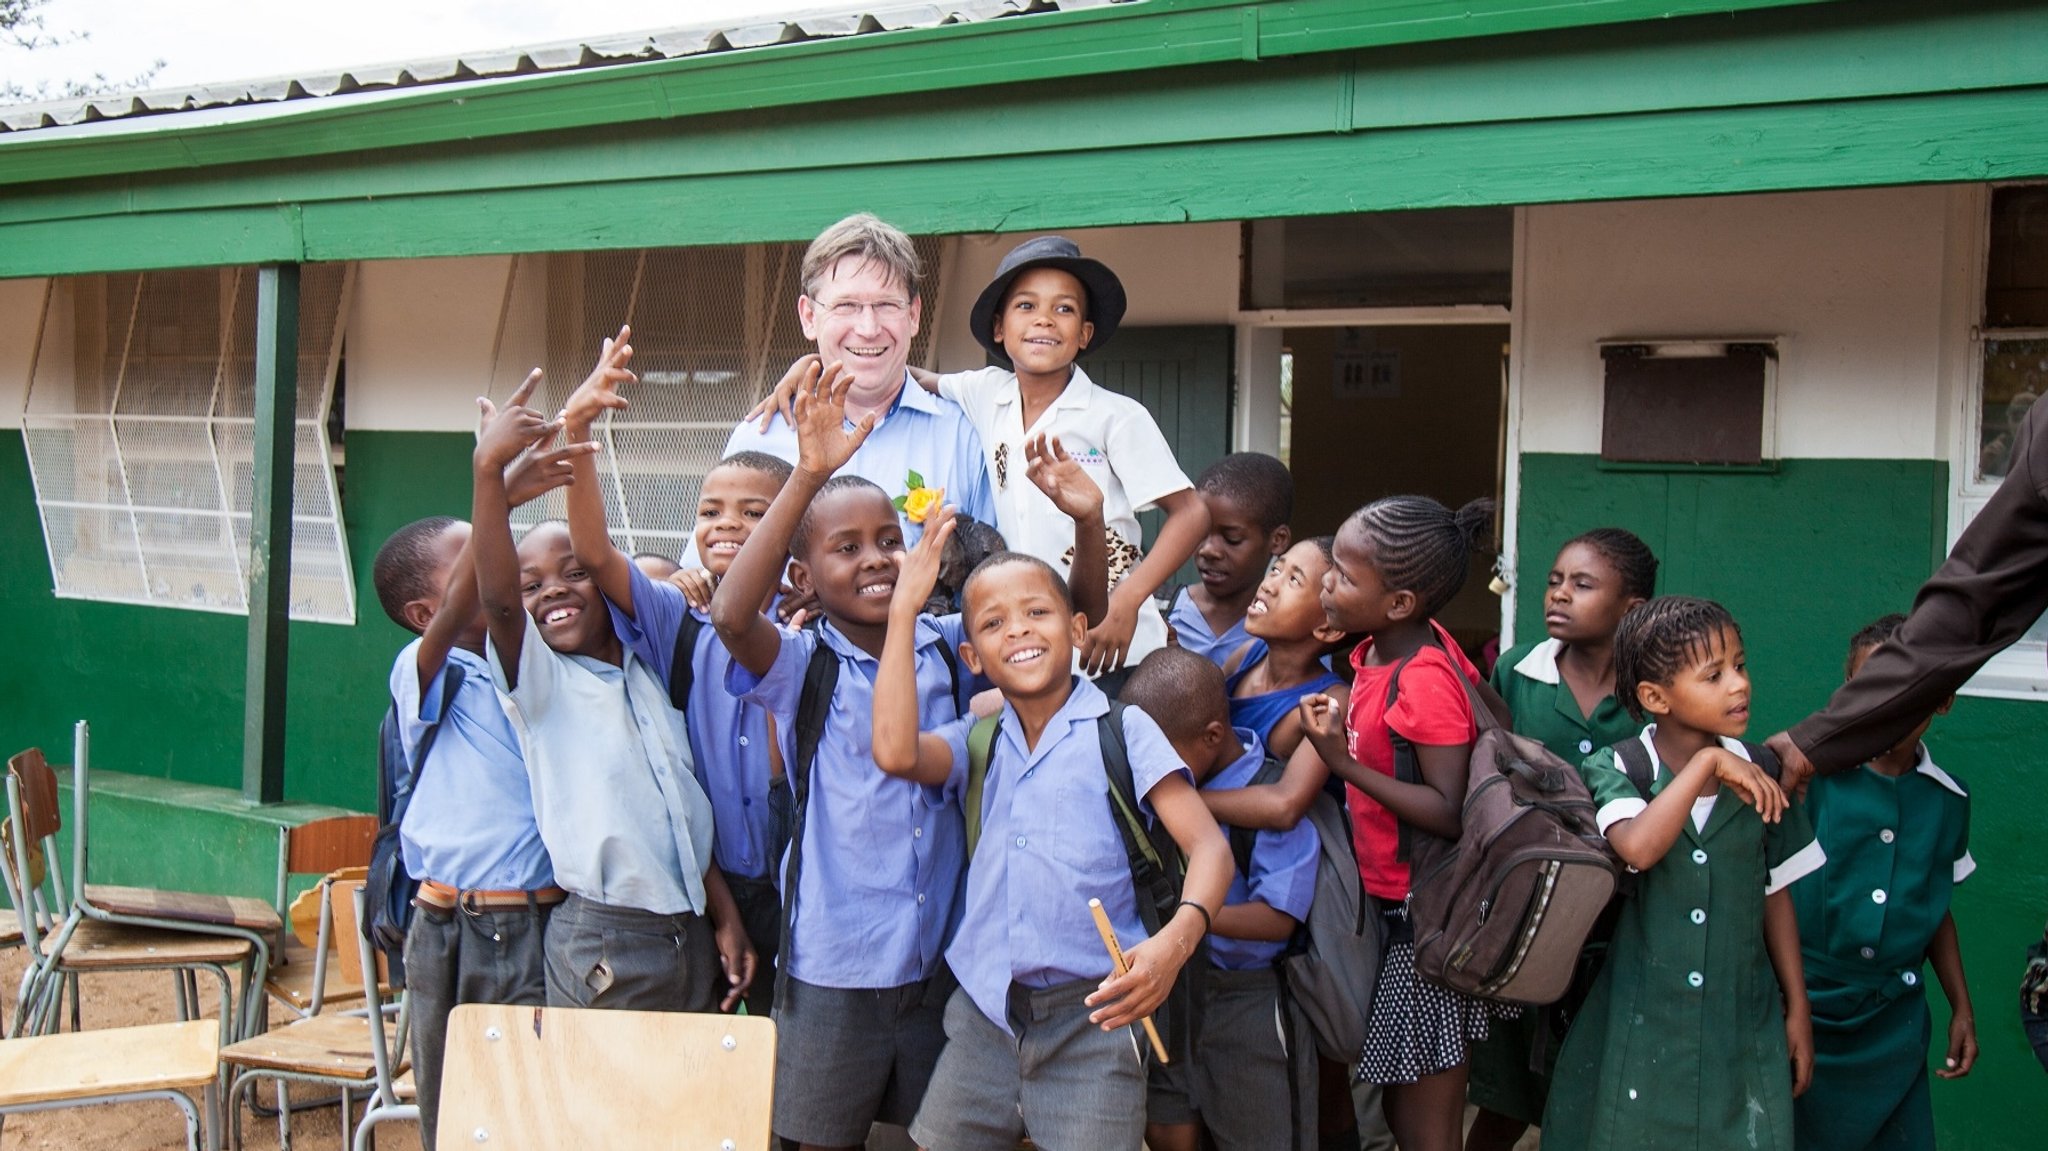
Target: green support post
270 531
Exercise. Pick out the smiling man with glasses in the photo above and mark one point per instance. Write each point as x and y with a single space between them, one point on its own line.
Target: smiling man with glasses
860 304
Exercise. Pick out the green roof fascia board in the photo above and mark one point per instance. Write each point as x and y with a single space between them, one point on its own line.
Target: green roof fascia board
1796 55
1124 38
1970 136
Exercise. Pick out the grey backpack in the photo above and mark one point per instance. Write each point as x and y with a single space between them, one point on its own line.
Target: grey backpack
1332 970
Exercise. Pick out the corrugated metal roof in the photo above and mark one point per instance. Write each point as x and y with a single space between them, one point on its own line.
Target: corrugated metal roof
591 52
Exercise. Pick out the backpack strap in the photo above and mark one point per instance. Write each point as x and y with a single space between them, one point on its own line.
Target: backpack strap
1407 768
1157 870
1244 839
813 707
981 745
682 665
1635 763
952 668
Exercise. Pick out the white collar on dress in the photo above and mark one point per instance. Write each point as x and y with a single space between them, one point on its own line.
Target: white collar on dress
1926 767
1734 745
1541 662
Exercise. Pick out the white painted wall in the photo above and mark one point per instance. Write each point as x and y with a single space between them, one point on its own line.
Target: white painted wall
21 312
421 336
1172 274
1852 282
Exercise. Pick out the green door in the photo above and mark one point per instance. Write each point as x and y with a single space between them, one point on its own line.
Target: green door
1182 376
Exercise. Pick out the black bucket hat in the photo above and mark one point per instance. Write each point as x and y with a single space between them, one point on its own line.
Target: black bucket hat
1105 291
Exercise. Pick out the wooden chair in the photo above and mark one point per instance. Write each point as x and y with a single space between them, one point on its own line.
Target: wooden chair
306 977
64 944
228 917
159 1061
546 1077
333 1049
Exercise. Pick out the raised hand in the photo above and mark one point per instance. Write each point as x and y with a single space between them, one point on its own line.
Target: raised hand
486 411
1064 482
917 573
599 391
782 397
510 430
823 442
547 466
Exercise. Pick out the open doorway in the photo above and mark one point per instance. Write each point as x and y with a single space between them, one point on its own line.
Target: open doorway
1372 411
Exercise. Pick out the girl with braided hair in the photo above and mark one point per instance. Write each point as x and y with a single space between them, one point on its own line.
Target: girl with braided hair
1402 745
1697 1033
1561 691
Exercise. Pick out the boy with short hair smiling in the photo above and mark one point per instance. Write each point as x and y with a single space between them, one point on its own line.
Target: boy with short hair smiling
875 856
1250 499
1252 1079
1031 1044
736 756
624 820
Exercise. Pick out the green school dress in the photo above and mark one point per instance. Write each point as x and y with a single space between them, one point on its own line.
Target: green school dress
1681 1045
1896 849
1503 1080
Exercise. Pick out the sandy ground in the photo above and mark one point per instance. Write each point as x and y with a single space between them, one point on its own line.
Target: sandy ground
123 999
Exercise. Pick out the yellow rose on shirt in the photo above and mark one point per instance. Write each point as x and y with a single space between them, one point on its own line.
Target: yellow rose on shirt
917 500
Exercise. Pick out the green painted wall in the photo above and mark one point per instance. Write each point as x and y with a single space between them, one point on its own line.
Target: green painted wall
163 688
1804 557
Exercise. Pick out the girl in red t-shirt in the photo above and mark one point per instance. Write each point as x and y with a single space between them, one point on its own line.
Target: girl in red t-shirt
1397 562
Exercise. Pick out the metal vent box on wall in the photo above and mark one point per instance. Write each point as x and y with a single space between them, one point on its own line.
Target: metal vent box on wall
1688 402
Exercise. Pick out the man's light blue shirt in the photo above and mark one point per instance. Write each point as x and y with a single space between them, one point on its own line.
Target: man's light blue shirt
1049 843
470 824
728 736
882 855
1191 631
919 432
614 789
1283 869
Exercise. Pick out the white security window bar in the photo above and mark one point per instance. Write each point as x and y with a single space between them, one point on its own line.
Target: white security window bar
713 329
139 428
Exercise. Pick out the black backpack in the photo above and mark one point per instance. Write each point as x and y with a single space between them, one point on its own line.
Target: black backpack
1157 868
682 666
813 708
389 888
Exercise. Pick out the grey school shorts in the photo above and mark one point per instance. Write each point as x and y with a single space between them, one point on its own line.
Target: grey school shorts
1065 1082
1252 1081
627 959
848 1058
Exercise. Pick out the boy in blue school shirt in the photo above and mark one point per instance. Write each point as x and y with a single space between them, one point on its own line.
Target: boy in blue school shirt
648 924
875 859
1251 1081
739 760
469 830
1041 1039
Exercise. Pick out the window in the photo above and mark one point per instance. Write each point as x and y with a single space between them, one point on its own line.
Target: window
140 425
2009 367
1422 258
713 329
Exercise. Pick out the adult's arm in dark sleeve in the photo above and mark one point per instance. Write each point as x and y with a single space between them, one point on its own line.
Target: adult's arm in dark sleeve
1989 592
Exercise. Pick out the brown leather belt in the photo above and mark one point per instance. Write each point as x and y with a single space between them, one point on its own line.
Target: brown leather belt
447 898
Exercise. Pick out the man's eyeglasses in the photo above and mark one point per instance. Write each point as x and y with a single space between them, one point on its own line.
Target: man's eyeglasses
886 311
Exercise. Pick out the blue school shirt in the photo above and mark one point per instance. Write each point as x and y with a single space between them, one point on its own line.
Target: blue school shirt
1049 843
470 824
1283 870
919 433
614 789
728 736
1262 712
1191 630
882 855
